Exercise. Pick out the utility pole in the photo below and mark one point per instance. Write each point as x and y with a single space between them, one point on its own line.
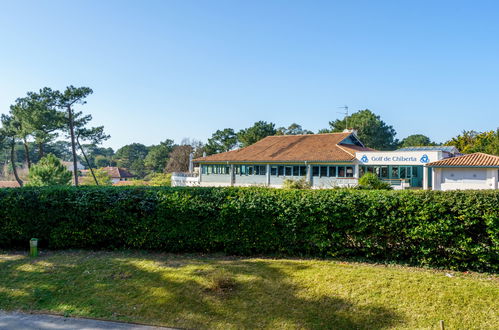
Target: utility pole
345 107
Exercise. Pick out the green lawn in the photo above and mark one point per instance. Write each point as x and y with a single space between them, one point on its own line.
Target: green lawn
212 291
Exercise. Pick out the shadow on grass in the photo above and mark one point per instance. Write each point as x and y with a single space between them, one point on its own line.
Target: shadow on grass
172 291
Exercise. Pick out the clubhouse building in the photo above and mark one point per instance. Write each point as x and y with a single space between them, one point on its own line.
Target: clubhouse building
339 160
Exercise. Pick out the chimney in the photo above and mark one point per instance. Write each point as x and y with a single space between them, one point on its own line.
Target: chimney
350 130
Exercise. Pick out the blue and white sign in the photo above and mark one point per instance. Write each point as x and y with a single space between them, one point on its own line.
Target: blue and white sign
398 157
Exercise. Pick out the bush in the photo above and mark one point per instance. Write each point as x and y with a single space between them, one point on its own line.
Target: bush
49 171
101 175
161 179
296 184
457 230
371 181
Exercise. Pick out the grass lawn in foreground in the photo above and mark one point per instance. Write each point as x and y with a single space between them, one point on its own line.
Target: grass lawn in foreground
213 291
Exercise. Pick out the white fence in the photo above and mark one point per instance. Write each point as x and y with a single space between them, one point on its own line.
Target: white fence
180 179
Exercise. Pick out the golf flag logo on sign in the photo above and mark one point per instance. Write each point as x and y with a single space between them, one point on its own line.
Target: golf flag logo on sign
424 159
364 159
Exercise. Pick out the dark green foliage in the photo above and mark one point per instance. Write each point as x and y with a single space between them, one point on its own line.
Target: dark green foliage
457 230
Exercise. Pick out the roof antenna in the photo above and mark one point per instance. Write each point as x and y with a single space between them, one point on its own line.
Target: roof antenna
345 107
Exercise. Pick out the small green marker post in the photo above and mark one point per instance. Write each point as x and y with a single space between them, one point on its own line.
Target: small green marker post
33 247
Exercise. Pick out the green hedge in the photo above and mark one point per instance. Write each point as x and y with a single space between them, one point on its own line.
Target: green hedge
458 230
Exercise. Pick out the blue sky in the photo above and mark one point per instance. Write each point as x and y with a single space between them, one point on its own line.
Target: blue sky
176 69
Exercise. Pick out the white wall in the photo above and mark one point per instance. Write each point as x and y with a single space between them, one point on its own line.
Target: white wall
464 178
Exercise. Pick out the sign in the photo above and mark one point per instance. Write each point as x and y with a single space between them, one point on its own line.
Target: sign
398 157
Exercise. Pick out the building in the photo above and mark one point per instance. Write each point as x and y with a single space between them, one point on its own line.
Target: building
339 160
473 171
325 160
117 174
69 165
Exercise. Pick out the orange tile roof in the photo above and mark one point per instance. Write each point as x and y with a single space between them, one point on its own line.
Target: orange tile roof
118 172
477 159
9 184
286 148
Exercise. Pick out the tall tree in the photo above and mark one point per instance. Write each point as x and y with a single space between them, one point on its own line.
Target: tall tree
94 135
255 133
416 140
67 100
179 159
132 157
293 129
157 157
10 133
221 141
371 130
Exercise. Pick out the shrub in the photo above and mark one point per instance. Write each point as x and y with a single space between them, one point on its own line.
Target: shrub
49 171
296 184
457 230
161 179
101 175
371 181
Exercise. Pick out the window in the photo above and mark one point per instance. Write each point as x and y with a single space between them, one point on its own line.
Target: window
395 172
349 171
262 170
244 170
303 170
296 170
280 170
403 173
315 170
384 171
341 171
250 170
332 171
288 170
210 169
203 169
227 170
273 170
323 171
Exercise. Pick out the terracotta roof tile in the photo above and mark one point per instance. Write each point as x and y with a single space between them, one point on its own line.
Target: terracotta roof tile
118 172
285 148
477 159
9 184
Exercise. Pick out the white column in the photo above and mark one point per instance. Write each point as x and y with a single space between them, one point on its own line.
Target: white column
267 174
309 174
232 175
425 178
356 171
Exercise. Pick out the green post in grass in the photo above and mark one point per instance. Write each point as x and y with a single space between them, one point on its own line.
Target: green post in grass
33 247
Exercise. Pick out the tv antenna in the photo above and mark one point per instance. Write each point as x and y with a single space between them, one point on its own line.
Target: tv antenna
345 107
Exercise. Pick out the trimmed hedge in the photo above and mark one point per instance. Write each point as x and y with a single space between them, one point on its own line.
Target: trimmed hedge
457 230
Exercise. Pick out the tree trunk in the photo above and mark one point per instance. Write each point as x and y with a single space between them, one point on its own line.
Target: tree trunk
86 160
73 144
40 150
13 162
26 151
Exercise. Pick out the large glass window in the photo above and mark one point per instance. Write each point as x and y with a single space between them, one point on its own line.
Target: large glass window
288 170
332 171
384 172
273 170
395 172
280 171
341 171
403 173
315 170
250 170
303 170
296 170
323 171
349 171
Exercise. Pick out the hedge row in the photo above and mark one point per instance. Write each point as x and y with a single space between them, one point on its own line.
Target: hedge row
458 230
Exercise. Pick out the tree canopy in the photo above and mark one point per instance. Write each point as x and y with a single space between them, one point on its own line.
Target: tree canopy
473 141
416 140
221 141
371 130
255 133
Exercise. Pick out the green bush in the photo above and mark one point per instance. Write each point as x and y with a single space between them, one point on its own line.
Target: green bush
49 171
371 181
296 184
457 230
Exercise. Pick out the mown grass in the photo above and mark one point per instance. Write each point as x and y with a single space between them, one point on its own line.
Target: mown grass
211 291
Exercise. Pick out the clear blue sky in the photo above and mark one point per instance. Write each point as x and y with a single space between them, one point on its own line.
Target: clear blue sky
175 69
